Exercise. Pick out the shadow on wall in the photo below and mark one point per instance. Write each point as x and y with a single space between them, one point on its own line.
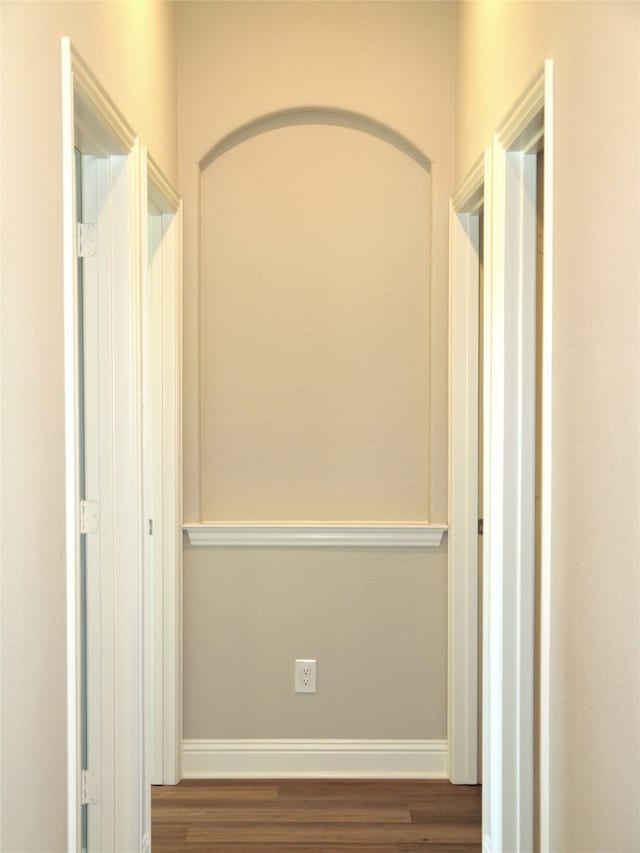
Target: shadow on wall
316 115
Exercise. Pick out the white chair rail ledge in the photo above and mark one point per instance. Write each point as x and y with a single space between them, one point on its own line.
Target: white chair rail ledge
315 534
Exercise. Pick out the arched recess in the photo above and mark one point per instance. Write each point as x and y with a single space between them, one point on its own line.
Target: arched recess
287 340
387 213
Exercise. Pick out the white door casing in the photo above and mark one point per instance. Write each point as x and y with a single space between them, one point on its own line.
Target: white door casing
464 270
122 183
162 375
509 466
110 157
115 199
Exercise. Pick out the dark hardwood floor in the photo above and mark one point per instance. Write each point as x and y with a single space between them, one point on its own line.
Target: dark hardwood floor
316 816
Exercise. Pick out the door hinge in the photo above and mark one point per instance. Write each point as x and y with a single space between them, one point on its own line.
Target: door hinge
90 792
86 240
150 527
88 516
480 526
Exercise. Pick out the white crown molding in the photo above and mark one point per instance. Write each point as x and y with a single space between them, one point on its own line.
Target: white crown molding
162 186
306 759
315 535
469 194
523 127
96 116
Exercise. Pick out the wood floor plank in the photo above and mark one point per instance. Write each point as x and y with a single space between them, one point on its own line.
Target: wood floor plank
209 792
442 846
460 809
299 812
352 788
172 833
282 848
338 833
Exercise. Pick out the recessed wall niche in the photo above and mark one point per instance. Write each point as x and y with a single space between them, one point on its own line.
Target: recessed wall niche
314 327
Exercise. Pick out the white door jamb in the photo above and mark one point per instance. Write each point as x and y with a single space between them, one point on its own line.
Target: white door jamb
464 268
163 414
509 497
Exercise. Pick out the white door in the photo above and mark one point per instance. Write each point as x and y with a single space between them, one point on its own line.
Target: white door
97 320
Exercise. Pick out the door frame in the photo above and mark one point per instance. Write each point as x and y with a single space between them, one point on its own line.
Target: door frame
464 271
163 586
508 495
91 121
90 116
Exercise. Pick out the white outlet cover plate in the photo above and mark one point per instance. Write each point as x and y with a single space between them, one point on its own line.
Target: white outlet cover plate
305 676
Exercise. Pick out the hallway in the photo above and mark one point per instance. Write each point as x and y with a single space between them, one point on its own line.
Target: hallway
308 421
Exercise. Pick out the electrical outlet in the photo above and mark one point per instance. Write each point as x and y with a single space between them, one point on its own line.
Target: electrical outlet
305 672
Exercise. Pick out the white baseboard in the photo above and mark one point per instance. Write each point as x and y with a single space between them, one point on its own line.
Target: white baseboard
308 759
145 847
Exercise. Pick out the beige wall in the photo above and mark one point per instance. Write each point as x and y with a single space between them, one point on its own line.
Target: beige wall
131 48
393 62
377 627
595 745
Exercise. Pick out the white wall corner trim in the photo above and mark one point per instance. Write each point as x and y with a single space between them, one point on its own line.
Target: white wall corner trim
315 535
308 759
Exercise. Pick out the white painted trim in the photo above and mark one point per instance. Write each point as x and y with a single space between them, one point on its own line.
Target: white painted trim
72 498
507 628
97 119
508 790
128 564
464 287
546 456
91 120
511 482
173 509
523 125
315 535
488 714
149 545
1 472
160 188
167 635
468 196
308 759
